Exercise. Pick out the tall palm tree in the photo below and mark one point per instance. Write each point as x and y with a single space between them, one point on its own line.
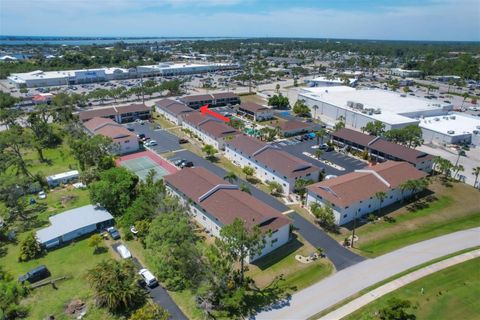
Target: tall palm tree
320 134
230 177
457 169
315 108
318 153
435 163
381 196
476 173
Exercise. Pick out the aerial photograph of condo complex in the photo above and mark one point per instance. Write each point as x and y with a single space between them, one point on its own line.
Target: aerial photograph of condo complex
240 159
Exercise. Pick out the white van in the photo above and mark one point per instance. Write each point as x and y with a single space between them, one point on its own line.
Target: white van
124 252
149 278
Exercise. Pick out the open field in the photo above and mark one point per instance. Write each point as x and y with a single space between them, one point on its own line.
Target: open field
448 294
58 160
451 208
62 199
72 261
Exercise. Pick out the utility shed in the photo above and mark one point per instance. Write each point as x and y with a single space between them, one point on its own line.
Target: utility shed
72 224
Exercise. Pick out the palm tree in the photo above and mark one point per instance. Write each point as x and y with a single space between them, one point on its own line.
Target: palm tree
381 196
461 153
230 177
435 163
320 134
457 169
318 153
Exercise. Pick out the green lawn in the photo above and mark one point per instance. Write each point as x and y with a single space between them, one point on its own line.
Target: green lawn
62 199
282 261
451 293
59 160
72 261
451 208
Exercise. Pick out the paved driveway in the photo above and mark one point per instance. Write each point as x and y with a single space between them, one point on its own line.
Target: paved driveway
339 286
339 256
158 294
166 141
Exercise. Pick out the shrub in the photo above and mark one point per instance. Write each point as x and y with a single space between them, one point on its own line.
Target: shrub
29 249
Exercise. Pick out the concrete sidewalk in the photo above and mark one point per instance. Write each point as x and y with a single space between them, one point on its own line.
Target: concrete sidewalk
347 282
356 304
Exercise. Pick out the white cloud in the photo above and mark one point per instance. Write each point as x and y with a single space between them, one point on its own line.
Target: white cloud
435 20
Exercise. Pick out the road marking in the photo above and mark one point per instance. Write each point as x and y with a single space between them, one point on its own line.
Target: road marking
288 211
175 151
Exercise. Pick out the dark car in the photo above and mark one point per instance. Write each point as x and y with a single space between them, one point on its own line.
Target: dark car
141 135
130 129
182 141
186 164
39 273
113 232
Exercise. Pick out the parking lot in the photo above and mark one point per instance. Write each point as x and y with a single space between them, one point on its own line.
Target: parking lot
297 148
166 142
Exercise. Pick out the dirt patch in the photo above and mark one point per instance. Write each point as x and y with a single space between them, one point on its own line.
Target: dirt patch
76 307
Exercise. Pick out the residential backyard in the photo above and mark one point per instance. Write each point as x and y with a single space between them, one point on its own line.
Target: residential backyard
71 261
451 293
448 209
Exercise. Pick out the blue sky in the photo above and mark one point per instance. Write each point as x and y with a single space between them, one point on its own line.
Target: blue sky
357 19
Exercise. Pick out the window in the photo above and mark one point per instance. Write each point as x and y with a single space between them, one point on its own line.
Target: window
345 215
204 218
275 231
369 205
126 141
273 241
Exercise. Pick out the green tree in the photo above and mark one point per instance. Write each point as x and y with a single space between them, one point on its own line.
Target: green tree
29 248
239 243
301 187
150 311
172 250
95 241
274 187
115 190
409 136
375 128
13 143
115 284
320 135
210 151
476 173
248 171
340 124
277 88
318 153
8 114
11 293
324 215
396 309
92 151
278 102
245 188
301 109
230 177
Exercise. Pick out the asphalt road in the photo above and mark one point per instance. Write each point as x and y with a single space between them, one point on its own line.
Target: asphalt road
158 294
341 285
339 256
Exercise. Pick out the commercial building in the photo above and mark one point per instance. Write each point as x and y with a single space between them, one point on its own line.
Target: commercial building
209 130
124 141
255 111
452 128
213 100
175 69
329 82
353 195
62 178
69 225
172 110
399 72
41 78
120 114
214 203
359 107
381 149
270 163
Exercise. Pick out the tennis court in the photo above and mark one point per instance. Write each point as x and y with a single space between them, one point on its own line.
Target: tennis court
141 164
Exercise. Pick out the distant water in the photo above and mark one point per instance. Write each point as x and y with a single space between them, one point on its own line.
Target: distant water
79 41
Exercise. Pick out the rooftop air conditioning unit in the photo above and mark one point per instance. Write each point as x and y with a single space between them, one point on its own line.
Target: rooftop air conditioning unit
450 132
453 117
350 104
437 119
478 127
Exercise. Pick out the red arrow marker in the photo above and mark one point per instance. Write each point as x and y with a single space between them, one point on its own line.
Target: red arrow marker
204 110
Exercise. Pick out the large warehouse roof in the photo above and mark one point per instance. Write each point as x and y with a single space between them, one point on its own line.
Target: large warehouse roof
451 124
391 107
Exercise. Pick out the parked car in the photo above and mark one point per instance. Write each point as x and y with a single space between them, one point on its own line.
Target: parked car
178 162
113 232
130 129
330 176
182 141
186 164
39 273
151 143
123 252
148 277
42 195
141 136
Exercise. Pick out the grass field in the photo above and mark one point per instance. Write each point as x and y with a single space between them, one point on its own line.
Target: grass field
72 261
451 293
62 199
58 160
453 208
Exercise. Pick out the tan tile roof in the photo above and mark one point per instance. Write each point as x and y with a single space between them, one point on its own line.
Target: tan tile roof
97 122
198 97
225 204
173 107
363 184
273 158
132 108
109 128
97 112
292 125
224 95
212 127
